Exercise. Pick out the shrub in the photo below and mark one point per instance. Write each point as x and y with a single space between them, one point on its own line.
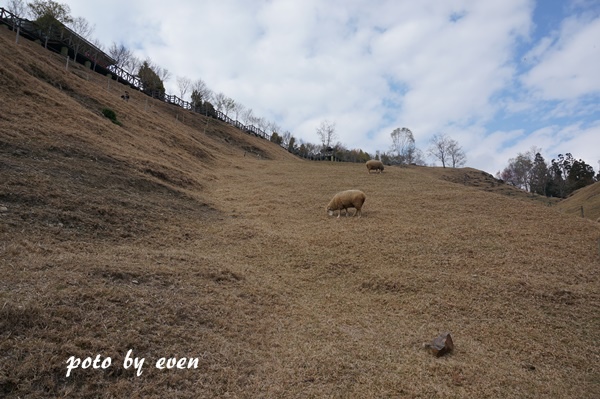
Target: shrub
110 114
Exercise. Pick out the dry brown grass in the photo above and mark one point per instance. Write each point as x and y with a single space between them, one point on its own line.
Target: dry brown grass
167 240
484 181
587 198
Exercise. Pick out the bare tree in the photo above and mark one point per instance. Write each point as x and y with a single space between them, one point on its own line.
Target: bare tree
17 7
228 105
200 92
521 170
457 156
133 64
274 127
326 132
83 28
223 103
219 101
262 124
122 55
96 42
418 158
254 120
238 110
247 116
439 148
447 151
163 73
286 137
403 145
184 84
312 149
518 171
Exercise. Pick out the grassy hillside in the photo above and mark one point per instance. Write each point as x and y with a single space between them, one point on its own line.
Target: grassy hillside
177 236
486 182
587 198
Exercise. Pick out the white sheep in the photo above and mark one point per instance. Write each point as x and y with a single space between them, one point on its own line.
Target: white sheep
374 165
346 199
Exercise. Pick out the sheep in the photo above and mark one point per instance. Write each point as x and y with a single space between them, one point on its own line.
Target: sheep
374 165
346 199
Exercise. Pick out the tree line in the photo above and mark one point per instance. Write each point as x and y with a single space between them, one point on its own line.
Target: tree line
557 178
403 150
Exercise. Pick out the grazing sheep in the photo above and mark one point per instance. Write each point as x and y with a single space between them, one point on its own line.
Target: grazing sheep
374 165
346 199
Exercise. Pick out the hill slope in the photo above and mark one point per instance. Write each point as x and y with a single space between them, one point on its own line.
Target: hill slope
170 237
587 198
484 181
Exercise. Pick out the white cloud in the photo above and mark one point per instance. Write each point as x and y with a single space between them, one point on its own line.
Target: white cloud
586 140
568 64
490 152
450 66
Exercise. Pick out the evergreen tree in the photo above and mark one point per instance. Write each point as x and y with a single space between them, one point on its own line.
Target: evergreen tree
303 150
276 138
292 144
539 175
151 82
556 184
561 168
580 175
196 99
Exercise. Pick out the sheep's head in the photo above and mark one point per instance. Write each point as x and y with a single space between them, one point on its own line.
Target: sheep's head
329 211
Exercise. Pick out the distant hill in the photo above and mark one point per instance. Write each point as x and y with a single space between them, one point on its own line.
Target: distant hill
483 181
586 198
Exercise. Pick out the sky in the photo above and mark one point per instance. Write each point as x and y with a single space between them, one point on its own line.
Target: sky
499 77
